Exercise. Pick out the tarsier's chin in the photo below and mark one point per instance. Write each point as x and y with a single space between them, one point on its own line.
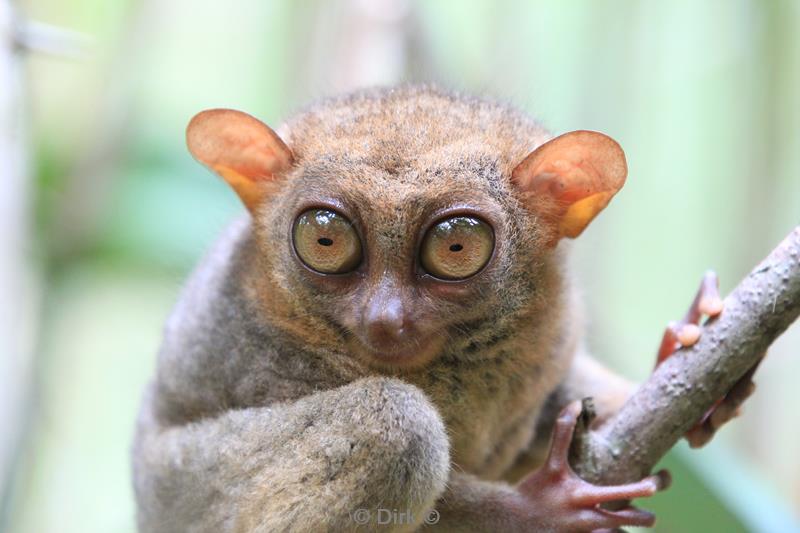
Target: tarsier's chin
399 268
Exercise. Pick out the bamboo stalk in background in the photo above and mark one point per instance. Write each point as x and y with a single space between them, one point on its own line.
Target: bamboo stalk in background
20 281
17 278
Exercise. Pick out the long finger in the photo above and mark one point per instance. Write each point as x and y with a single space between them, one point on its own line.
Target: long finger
557 459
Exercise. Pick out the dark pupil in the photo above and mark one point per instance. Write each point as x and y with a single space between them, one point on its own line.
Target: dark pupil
324 241
456 247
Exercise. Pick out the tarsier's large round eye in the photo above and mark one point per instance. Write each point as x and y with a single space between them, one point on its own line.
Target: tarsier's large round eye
326 241
457 248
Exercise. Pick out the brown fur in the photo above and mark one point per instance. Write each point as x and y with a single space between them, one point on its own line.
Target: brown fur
265 413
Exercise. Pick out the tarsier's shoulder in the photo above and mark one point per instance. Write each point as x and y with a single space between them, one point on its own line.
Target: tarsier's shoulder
208 314
222 260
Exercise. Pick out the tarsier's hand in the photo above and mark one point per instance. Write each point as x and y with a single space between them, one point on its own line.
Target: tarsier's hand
686 332
554 498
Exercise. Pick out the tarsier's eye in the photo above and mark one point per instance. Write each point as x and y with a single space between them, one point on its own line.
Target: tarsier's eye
457 248
326 241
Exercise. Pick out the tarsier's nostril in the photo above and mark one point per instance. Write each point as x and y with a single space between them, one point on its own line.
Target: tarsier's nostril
382 332
385 319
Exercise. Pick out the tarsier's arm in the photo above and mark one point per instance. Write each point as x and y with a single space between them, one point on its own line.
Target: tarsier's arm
308 465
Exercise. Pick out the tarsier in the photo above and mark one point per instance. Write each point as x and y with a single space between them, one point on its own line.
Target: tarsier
391 328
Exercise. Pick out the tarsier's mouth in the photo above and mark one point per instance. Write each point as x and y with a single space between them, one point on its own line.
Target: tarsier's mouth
410 354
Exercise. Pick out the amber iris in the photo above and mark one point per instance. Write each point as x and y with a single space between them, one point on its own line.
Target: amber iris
457 248
326 241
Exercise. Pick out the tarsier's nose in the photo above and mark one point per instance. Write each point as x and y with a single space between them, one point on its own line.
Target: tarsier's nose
385 319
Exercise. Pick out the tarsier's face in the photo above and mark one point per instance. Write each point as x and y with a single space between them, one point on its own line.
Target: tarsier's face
401 272
399 229
391 313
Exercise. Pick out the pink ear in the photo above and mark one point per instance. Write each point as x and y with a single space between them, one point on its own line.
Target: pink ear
570 179
241 149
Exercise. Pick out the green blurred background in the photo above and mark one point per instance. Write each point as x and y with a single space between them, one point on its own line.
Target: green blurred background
103 211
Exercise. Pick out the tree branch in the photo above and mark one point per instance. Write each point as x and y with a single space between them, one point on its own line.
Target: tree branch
687 384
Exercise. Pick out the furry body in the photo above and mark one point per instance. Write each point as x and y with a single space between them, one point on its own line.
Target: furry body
266 414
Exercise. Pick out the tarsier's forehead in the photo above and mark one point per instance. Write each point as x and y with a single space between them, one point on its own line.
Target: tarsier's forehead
364 186
469 179
447 160
395 128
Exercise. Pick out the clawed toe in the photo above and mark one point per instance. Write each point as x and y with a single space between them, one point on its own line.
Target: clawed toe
686 332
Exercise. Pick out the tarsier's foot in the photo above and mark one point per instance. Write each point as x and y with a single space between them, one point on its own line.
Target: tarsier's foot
571 504
686 332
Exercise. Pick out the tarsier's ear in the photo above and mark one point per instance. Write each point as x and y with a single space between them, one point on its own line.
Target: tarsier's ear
241 149
570 179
